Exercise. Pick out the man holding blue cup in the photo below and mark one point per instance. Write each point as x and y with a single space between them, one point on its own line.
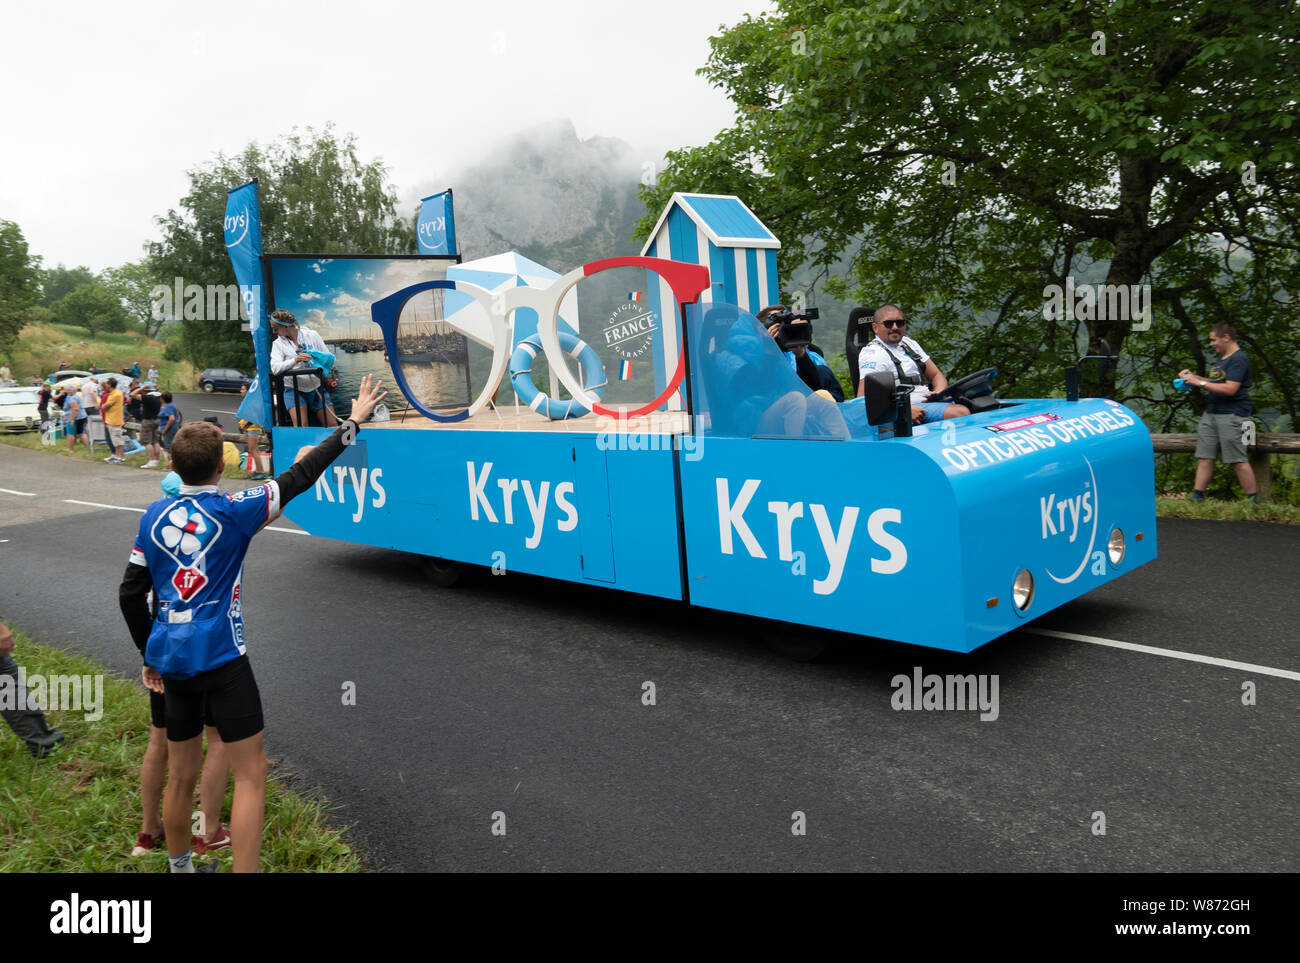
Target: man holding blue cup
1219 434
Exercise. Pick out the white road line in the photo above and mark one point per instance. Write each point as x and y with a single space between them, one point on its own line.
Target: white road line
217 411
127 508
10 491
120 508
1169 653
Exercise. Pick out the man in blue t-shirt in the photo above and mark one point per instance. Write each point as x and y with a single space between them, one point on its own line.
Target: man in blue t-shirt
169 420
190 551
1220 432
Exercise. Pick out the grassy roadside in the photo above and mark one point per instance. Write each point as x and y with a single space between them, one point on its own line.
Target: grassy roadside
1169 506
41 347
79 809
31 440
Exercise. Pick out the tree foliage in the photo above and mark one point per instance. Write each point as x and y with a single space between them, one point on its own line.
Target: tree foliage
94 307
133 284
963 157
316 197
19 284
58 282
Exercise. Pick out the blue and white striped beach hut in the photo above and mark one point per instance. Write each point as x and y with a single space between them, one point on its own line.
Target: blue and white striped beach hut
720 232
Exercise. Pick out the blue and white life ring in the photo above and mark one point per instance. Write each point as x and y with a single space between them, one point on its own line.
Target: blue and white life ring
521 376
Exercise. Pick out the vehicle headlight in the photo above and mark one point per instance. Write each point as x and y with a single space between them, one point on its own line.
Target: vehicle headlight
1022 590
1115 547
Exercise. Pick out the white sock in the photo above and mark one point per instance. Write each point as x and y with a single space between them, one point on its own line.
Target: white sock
181 864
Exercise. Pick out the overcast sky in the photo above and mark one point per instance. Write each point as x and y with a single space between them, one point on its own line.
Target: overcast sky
107 105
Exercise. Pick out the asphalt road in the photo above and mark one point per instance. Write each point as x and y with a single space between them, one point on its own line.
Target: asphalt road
195 406
524 696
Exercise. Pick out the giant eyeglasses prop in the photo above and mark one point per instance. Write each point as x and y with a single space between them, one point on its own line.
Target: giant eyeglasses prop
633 333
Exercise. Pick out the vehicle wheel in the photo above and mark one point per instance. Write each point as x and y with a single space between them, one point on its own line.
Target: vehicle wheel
209 387
799 645
442 572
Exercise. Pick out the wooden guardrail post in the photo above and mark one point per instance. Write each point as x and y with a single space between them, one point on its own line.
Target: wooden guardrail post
1261 463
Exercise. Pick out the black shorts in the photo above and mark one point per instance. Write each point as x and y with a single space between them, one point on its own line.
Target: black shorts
158 711
227 696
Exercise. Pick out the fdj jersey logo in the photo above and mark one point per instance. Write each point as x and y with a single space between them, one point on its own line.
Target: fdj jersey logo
630 329
236 228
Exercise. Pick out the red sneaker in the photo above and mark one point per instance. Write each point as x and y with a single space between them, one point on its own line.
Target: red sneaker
145 843
220 840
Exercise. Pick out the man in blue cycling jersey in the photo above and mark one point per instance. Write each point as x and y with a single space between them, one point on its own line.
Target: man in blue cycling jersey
190 551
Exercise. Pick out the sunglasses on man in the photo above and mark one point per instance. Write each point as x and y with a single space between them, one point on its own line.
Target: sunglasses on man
893 323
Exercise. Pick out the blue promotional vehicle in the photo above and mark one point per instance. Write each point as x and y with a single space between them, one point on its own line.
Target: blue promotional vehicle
689 462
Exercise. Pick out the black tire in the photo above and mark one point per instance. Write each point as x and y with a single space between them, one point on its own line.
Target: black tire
442 572
209 387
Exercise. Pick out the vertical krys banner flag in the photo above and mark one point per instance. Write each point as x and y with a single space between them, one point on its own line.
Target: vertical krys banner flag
244 245
436 229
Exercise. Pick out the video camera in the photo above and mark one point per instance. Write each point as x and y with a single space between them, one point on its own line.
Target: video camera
796 329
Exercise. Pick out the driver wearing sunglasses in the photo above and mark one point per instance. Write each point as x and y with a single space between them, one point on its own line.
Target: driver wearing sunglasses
892 349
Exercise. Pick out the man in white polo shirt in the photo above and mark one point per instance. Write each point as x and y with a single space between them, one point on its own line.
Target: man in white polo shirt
892 351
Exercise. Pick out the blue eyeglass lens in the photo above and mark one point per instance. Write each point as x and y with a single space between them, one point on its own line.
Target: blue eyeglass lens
439 349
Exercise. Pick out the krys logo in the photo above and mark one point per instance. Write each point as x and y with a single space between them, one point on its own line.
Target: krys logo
355 485
432 229
629 330
236 228
1065 515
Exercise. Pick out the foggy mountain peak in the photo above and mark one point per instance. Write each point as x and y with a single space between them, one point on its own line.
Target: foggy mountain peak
551 196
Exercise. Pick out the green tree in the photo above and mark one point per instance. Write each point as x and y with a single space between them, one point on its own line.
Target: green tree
57 282
92 306
316 197
968 156
133 283
19 284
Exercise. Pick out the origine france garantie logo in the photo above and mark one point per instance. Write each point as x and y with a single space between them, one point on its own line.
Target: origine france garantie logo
630 329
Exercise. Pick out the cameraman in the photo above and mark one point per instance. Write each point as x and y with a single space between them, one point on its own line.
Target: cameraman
810 366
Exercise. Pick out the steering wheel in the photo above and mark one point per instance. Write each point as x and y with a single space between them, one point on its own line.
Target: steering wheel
962 387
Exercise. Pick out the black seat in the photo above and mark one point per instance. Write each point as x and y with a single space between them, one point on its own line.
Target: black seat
857 336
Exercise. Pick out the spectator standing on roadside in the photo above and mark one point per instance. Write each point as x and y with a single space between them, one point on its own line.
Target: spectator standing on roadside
43 396
169 421
111 404
1220 431
28 723
134 370
133 399
74 420
150 407
5 373
90 397
200 662
152 374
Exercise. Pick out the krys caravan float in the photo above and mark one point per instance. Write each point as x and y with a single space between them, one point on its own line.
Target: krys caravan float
623 426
